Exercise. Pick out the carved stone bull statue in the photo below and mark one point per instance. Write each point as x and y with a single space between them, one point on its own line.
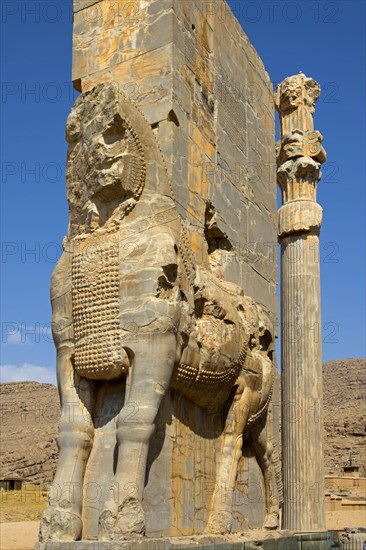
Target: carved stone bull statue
129 302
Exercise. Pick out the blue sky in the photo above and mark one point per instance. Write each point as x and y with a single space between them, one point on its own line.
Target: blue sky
326 40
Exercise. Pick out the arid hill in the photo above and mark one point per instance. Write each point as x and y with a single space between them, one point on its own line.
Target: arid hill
344 413
30 413
29 421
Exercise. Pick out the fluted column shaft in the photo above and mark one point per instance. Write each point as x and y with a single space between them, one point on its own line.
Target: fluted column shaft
301 360
299 157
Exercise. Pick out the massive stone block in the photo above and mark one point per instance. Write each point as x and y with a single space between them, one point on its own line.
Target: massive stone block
164 304
202 86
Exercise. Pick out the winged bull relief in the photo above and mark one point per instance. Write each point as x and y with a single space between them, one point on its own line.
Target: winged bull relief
133 311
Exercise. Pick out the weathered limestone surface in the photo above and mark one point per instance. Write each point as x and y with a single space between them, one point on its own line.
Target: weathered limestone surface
200 83
164 304
134 314
300 155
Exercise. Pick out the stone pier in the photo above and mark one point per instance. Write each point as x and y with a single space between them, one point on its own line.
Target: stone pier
299 156
171 145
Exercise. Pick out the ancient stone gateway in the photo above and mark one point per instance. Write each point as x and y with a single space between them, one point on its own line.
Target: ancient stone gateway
164 300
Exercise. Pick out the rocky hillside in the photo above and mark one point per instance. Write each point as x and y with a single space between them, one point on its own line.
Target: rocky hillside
30 413
29 419
344 413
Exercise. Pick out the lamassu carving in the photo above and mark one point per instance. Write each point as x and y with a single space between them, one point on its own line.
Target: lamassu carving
134 313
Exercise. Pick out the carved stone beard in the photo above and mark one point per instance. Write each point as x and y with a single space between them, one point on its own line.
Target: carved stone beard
98 214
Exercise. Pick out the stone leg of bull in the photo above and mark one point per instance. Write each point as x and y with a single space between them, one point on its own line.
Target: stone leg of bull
220 519
263 449
62 518
152 366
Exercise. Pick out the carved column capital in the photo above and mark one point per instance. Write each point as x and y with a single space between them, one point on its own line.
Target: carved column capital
295 217
297 95
301 144
299 155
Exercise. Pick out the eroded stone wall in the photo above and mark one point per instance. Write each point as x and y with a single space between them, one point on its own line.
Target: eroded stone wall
201 84
203 88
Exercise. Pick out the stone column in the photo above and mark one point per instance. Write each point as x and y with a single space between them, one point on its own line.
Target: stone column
299 156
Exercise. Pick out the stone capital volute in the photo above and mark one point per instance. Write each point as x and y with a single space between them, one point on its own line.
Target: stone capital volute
299 155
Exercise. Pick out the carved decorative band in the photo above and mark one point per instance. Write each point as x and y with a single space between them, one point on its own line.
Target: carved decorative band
299 216
301 144
303 168
206 377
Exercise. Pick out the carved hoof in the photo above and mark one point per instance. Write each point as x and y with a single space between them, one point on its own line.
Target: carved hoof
129 520
219 523
59 524
272 521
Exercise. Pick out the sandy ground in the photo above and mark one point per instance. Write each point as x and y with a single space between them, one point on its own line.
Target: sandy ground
21 535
